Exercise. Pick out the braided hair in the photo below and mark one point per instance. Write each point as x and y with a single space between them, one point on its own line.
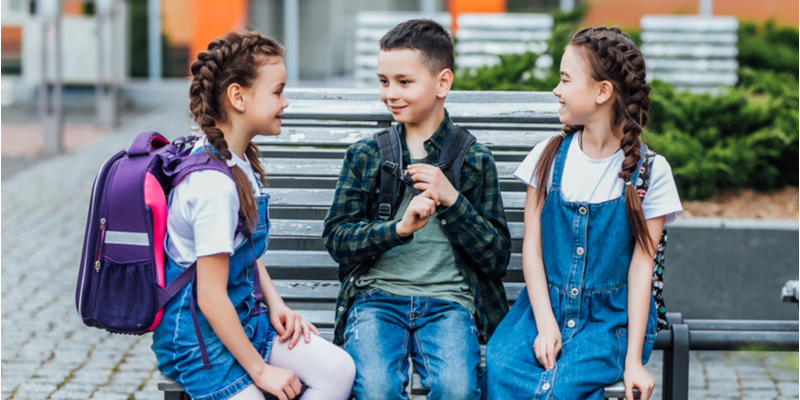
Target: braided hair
233 58
613 57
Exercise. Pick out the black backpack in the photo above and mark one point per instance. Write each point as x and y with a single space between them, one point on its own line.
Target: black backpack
393 172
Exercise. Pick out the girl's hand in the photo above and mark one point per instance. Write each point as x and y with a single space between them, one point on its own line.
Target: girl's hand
288 324
637 376
547 346
280 382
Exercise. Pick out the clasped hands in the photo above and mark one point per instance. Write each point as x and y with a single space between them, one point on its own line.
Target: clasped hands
436 190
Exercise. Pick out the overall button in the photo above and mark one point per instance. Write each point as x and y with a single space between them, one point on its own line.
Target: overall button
574 291
352 279
341 309
582 210
571 323
579 251
546 386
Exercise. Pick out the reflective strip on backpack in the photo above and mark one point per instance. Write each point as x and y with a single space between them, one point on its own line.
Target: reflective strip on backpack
129 238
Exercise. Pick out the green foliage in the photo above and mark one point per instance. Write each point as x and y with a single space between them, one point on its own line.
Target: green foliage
768 47
741 138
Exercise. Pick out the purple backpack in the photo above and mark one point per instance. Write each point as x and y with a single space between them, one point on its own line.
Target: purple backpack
121 285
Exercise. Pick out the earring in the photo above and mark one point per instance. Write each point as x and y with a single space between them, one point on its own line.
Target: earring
241 111
598 102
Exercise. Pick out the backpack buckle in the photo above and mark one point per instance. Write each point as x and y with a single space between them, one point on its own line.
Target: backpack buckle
392 168
384 211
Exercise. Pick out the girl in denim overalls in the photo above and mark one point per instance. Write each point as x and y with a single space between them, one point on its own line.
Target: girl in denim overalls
587 318
236 94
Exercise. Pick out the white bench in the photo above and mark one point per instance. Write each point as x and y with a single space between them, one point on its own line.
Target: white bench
370 28
691 52
481 38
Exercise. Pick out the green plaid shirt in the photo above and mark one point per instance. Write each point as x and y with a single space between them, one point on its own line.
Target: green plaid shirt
476 225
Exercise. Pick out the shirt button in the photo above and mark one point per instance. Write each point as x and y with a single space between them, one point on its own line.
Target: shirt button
579 251
582 210
341 309
574 292
546 386
352 279
444 222
571 323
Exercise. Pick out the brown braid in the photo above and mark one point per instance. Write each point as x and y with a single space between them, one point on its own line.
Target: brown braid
233 58
613 57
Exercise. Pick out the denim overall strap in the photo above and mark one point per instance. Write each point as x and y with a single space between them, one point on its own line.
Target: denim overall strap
561 157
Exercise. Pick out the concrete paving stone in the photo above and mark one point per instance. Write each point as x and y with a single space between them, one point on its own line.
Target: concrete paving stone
130 377
70 394
38 387
759 395
128 388
788 388
148 395
757 384
7 395
79 386
106 395
97 378
8 384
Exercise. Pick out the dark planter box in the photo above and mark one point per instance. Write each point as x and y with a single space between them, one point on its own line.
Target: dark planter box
731 269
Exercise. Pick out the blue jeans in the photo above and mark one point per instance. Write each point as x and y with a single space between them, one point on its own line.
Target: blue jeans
441 337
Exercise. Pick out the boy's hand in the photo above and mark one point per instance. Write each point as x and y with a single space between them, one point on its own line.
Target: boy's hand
417 214
429 177
637 376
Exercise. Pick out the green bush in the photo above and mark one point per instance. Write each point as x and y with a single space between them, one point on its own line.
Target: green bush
768 47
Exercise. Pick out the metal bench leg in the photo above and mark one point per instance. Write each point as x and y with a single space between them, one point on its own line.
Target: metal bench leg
176 396
676 365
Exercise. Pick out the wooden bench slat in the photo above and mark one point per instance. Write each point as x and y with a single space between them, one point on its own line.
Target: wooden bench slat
306 228
319 136
324 197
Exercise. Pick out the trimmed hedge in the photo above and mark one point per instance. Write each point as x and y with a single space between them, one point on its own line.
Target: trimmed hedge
742 137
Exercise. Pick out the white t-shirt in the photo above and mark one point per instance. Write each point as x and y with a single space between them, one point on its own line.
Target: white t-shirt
594 181
204 213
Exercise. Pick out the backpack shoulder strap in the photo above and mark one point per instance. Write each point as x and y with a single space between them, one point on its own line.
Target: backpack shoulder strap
454 151
200 161
391 167
643 181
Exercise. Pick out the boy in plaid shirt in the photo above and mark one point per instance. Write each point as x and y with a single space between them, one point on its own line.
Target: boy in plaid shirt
427 281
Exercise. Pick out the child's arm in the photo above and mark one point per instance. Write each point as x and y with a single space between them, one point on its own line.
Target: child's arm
640 275
349 234
479 227
548 342
213 300
285 321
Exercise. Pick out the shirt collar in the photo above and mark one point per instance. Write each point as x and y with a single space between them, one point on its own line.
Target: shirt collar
438 137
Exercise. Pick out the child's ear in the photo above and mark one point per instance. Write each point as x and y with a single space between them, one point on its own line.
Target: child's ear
606 90
445 82
235 95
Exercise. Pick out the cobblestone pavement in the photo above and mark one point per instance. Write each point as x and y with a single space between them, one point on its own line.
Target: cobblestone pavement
47 353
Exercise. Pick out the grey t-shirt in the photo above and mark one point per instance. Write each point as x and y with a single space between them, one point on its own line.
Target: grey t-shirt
425 267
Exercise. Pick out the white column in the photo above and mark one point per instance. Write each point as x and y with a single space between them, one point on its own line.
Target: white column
291 37
107 86
568 5
428 6
51 112
154 39
706 8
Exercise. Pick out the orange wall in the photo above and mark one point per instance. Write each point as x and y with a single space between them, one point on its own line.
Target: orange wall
630 12
214 18
474 6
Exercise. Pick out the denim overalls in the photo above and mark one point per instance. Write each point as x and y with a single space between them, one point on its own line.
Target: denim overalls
587 249
176 344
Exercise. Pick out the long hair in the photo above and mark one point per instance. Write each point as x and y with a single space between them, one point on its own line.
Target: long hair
233 58
613 57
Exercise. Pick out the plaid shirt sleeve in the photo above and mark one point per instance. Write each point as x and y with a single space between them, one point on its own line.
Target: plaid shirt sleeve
476 222
348 234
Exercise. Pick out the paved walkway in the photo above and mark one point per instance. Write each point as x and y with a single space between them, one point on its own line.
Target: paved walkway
47 353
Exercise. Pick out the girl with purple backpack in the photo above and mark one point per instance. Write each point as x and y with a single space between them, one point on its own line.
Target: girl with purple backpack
222 224
588 318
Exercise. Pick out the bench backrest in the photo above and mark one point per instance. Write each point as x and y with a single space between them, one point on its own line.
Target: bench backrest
483 37
304 162
370 28
691 52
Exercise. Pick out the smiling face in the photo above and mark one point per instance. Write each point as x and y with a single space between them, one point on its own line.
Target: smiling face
264 99
408 87
578 91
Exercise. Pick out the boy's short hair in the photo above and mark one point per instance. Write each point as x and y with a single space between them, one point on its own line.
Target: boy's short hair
430 38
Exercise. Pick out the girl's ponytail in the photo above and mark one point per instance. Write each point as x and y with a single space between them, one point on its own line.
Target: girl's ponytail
233 58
